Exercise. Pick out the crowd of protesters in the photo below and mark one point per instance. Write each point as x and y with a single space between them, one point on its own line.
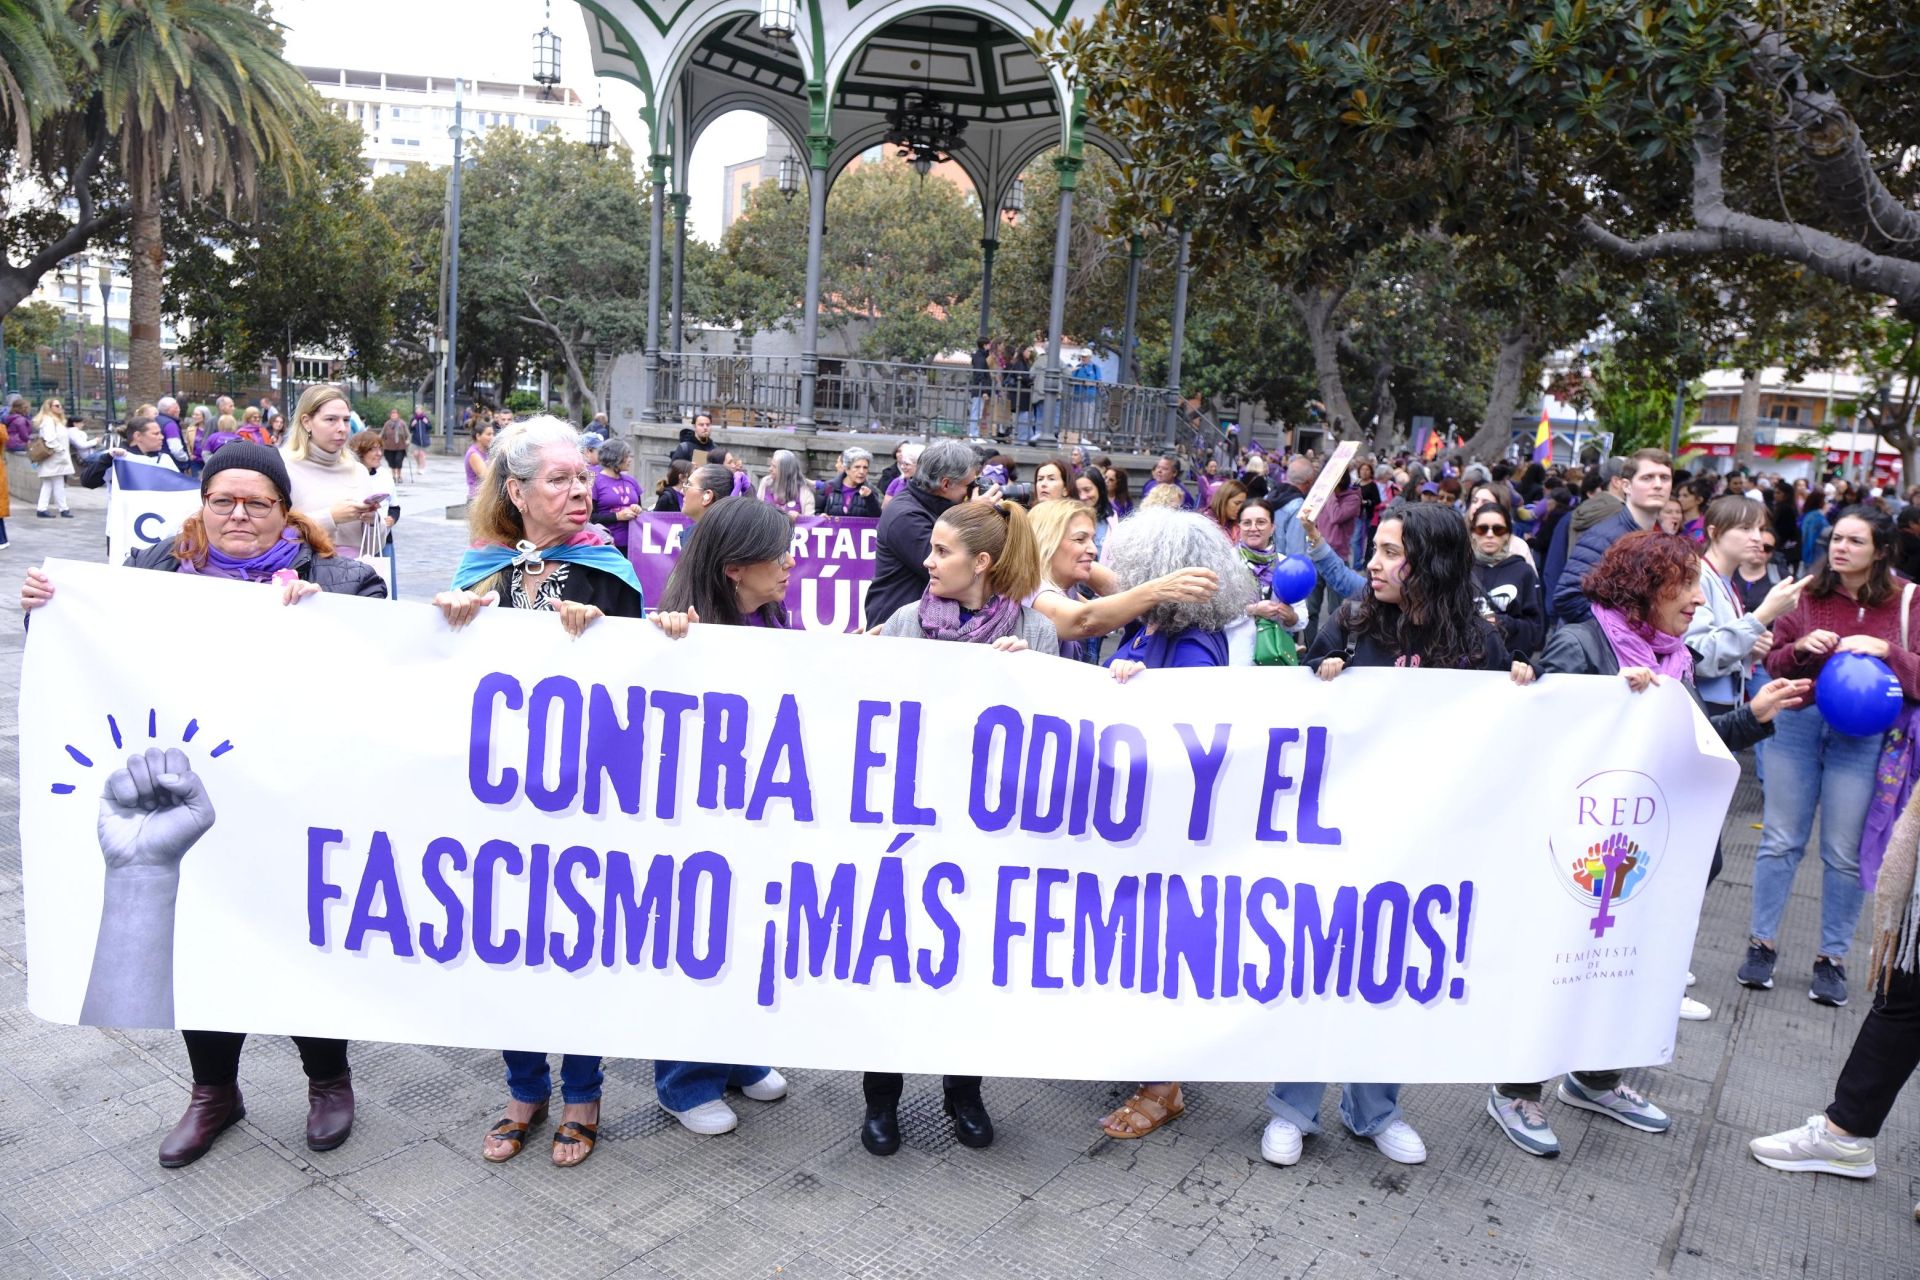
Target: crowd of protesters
1738 587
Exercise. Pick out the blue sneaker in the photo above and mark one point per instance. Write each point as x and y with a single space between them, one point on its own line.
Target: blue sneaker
1524 1121
1757 972
1829 982
1620 1102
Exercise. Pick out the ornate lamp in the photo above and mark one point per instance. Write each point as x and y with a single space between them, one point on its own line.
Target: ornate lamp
1016 202
546 56
777 18
599 128
923 131
789 175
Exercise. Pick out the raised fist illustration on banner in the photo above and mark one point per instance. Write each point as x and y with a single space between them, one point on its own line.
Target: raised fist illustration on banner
151 813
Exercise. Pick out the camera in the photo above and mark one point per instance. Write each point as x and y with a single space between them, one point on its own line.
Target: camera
1020 493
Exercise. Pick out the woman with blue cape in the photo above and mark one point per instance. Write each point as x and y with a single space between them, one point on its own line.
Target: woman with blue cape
534 547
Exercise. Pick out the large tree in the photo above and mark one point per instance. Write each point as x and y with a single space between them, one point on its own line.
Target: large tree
199 99
37 40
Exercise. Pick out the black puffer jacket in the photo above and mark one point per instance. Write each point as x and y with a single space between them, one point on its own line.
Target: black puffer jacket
1513 590
337 575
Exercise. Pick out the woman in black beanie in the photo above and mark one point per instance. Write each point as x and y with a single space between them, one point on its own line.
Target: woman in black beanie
246 530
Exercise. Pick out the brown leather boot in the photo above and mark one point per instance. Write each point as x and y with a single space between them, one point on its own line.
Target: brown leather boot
211 1110
329 1112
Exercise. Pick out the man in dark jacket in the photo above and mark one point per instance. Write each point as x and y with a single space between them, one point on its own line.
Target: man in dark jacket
694 442
1649 479
943 476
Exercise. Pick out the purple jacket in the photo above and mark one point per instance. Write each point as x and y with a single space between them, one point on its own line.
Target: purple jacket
19 432
609 495
170 431
212 442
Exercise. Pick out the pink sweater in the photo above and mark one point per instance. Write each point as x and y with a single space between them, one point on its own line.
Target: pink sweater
1839 614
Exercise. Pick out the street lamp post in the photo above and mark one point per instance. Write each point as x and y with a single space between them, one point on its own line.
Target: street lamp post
450 379
106 338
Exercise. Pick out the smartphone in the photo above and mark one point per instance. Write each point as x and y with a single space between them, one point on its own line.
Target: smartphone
374 499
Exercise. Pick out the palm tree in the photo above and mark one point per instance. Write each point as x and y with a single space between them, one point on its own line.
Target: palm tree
33 36
197 92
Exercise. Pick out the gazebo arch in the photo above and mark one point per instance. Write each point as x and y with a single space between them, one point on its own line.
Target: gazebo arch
848 63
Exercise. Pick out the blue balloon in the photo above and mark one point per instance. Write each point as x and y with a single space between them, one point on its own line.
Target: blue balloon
1293 579
1858 695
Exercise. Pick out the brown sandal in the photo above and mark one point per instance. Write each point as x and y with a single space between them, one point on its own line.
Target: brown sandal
574 1133
1142 1113
514 1132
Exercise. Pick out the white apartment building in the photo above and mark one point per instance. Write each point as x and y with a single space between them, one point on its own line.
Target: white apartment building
406 117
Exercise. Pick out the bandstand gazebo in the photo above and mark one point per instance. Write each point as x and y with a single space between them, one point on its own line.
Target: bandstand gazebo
837 78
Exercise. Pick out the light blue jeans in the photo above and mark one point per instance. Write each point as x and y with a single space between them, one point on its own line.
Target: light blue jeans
682 1086
1365 1109
1809 764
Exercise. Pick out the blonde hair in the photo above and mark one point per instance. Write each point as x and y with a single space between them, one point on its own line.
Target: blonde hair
226 423
1002 531
299 435
1050 522
1164 495
249 414
50 408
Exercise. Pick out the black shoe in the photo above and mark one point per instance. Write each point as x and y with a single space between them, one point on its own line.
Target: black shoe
880 1131
44 515
66 515
971 1123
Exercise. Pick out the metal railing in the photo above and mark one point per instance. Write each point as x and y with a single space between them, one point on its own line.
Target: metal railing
916 399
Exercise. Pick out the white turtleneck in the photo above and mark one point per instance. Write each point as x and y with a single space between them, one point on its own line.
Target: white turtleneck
323 480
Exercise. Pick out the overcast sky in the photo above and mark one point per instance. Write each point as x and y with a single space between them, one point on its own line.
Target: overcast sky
493 40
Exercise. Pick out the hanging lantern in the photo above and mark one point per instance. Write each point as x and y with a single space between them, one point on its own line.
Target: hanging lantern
1016 202
789 175
777 18
546 56
599 128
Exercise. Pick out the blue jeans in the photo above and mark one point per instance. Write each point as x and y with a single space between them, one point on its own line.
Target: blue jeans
1755 683
1366 1109
1811 765
530 1080
682 1086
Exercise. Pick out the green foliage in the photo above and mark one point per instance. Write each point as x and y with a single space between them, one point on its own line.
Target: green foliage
37 40
33 326
315 268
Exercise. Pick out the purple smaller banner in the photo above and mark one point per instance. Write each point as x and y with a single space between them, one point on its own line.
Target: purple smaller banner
832 565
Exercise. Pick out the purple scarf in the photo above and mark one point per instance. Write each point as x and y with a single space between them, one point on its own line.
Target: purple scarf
1636 644
280 555
940 620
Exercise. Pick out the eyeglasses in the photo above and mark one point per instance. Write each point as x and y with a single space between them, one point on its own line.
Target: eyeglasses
223 506
1489 528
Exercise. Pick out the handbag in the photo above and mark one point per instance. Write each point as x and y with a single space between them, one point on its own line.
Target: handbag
38 450
1273 645
373 549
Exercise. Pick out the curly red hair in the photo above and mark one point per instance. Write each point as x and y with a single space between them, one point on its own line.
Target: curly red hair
1639 570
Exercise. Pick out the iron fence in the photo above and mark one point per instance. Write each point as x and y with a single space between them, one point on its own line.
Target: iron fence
922 400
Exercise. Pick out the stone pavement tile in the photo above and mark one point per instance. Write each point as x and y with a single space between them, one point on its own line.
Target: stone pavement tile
635 1207
1278 1257
1066 1111
876 1177
1163 1156
1430 1247
316 1231
125 1232
233 1180
1021 1160
71 1190
21 1261
722 1168
955 1201
1334 1265
34 1137
280 1117
1517 1221
141 1117
433 1098
418 1175
549 1246
1337 1211
1042 1243
466 1223
1186 1225
1744 1214
1872 1216
1763 1097
806 1204
1098 1193
724 1244
201 1258
1785 1028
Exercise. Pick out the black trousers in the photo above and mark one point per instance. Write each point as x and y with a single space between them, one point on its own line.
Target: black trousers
215 1056
883 1087
1884 1056
1593 1081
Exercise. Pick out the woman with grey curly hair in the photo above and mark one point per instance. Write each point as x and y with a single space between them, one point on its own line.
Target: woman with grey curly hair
1184 632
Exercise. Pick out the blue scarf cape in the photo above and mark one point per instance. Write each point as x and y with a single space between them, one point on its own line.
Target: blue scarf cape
480 563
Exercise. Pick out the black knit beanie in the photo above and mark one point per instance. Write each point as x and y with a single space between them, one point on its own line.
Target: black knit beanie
244 455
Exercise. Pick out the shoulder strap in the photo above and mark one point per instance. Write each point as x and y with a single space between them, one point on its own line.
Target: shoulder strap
1906 609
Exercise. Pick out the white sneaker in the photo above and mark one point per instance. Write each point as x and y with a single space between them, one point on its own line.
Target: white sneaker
707 1118
768 1088
1692 1010
1399 1143
1281 1142
1690 978
1815 1148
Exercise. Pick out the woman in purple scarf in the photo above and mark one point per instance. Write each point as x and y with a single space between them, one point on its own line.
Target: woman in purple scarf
245 530
1644 592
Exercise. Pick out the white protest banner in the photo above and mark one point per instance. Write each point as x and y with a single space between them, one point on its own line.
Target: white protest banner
850 852
146 504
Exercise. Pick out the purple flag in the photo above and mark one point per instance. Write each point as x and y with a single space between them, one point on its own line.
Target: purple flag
832 565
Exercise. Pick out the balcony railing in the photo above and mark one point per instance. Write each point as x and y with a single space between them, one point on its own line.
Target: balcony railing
921 400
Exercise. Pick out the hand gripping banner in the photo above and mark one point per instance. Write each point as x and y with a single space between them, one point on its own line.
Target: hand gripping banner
846 851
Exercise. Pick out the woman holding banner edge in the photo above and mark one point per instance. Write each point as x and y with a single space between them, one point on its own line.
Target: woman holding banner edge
534 548
1418 612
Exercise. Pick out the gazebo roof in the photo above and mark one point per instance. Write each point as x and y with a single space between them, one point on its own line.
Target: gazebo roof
845 67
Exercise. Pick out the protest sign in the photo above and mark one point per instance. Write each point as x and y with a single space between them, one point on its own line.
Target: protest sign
832 565
850 852
1329 476
146 505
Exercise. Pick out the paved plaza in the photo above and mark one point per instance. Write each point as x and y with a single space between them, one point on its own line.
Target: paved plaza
792 1194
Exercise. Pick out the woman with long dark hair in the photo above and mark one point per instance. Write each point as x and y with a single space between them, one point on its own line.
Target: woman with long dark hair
1419 611
1854 604
1090 486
